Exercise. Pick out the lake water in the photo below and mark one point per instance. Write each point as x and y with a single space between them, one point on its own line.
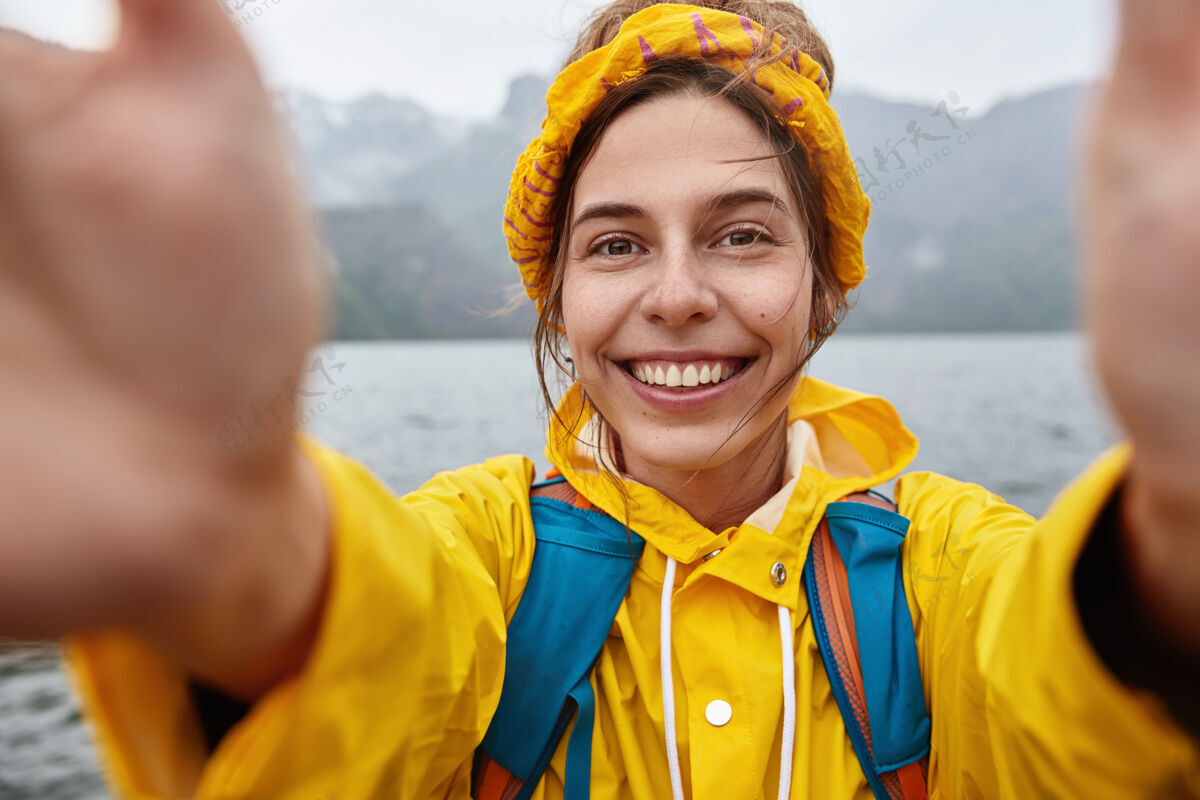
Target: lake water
1016 413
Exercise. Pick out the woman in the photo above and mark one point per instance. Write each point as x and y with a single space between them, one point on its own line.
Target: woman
688 220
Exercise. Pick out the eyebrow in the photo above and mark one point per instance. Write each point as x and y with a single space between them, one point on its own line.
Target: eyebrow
740 197
610 211
745 197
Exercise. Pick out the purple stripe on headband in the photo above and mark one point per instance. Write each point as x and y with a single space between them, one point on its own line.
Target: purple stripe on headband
705 36
648 54
795 60
543 172
748 27
513 244
533 188
524 235
605 85
792 105
527 260
533 221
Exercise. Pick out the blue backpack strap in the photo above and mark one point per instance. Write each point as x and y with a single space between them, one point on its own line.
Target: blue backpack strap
855 586
582 565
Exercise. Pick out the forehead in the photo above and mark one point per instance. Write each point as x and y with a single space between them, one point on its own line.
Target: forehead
676 148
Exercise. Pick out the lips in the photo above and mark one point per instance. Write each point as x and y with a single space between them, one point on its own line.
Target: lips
684 374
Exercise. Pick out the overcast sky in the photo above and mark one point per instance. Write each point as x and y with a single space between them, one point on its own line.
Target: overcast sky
457 58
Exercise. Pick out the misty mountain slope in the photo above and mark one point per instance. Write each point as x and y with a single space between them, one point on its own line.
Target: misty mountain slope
468 184
401 273
354 152
981 238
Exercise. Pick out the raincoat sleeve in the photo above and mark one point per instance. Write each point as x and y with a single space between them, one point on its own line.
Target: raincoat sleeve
1021 705
401 683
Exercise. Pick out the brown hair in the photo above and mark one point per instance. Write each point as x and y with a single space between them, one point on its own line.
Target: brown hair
678 76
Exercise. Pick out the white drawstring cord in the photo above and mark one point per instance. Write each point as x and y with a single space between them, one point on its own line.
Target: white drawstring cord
668 692
789 704
668 681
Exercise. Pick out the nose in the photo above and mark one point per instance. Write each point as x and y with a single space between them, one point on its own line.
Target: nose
680 290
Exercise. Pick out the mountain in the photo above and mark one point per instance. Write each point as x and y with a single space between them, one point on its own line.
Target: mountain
353 152
976 232
468 183
402 274
971 226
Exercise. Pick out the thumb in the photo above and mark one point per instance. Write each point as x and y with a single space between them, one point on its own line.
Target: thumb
178 22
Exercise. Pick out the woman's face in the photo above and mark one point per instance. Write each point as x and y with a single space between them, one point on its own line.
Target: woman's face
687 289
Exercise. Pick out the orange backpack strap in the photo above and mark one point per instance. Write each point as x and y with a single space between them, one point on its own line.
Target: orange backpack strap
561 490
492 781
829 586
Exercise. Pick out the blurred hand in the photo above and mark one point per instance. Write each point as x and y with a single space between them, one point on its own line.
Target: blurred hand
1143 288
158 274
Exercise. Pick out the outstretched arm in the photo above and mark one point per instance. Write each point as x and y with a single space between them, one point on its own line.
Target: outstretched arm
157 276
1143 294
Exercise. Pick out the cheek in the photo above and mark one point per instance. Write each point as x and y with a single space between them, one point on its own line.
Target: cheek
574 314
572 301
779 304
587 318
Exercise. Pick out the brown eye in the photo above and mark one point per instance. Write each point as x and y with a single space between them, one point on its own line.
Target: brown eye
740 239
618 247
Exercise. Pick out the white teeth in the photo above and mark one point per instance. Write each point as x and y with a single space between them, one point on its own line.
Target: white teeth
689 376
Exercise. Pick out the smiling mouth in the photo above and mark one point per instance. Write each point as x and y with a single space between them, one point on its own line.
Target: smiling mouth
685 375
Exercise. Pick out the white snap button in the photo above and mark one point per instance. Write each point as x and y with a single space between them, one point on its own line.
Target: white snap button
778 574
718 713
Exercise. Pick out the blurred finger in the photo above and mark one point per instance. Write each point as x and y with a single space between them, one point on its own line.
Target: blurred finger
188 22
21 55
1160 41
1159 19
32 74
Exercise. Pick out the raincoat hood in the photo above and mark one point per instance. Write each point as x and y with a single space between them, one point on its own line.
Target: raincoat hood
839 442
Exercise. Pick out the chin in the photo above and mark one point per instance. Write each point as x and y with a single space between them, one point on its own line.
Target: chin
690 451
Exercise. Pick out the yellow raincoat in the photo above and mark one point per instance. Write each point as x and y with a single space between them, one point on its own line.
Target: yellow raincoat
408 665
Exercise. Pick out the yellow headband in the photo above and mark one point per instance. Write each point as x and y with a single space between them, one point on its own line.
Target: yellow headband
798 84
